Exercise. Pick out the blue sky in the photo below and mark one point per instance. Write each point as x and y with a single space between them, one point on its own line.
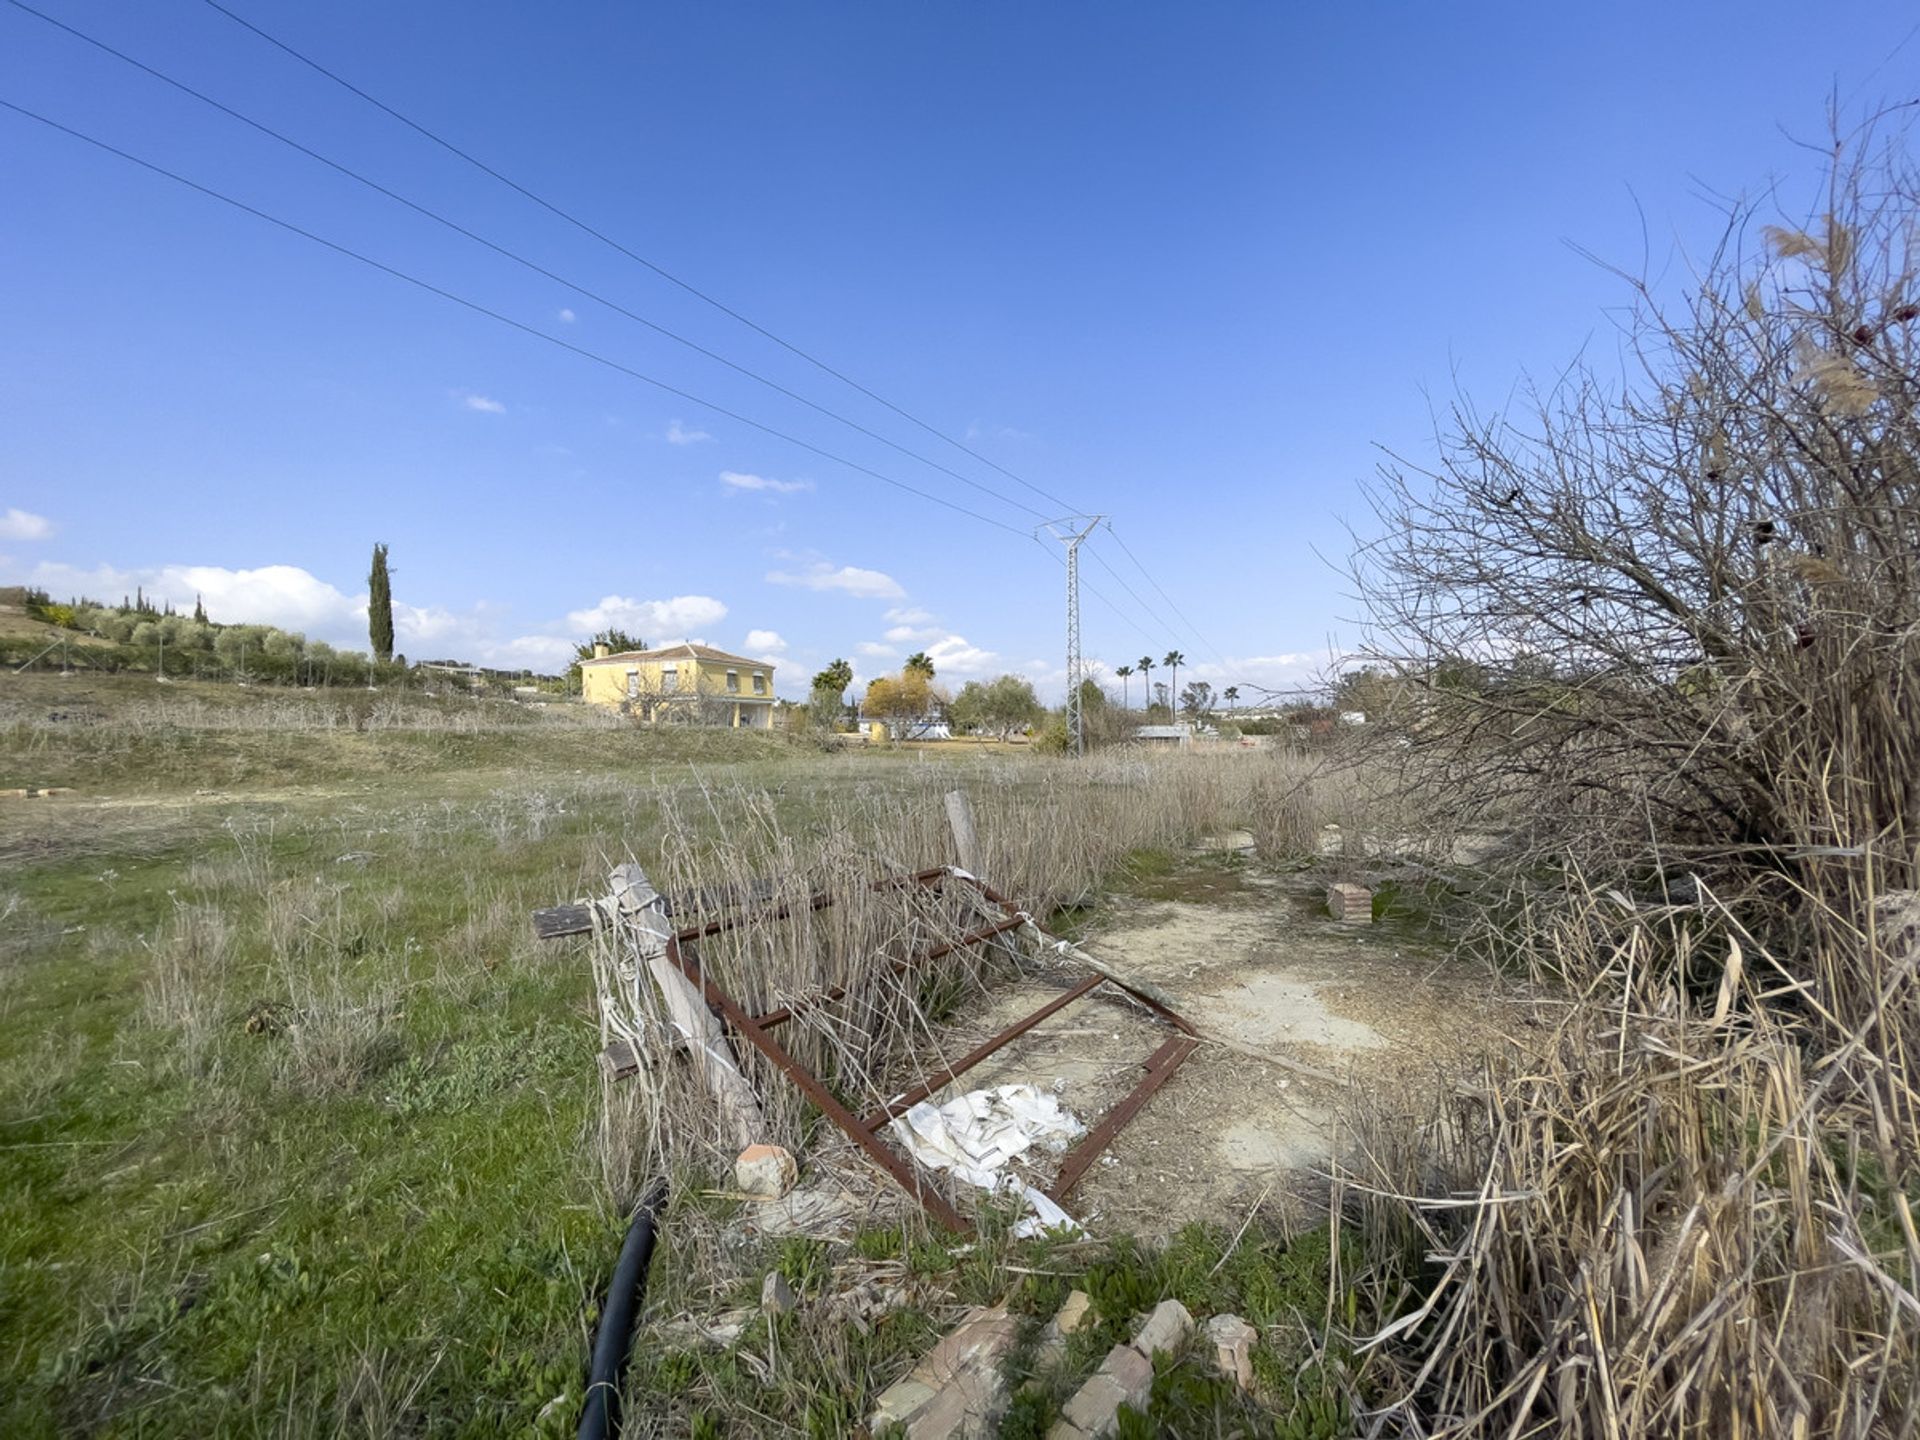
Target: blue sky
1189 265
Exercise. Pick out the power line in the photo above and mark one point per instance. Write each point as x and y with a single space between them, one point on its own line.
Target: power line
513 255
1163 594
1120 580
687 286
605 239
477 308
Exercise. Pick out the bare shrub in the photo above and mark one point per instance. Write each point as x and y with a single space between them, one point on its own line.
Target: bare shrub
1668 627
1688 592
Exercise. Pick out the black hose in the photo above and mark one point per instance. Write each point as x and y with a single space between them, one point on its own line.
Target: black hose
613 1341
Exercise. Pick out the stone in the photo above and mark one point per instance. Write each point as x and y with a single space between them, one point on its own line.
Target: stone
826 1211
776 1296
56 789
1074 1313
15 794
1233 1340
721 1330
1051 1348
766 1171
1125 1377
957 1392
1167 1328
1351 903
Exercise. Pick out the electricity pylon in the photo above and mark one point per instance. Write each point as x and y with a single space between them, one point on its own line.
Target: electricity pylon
1064 531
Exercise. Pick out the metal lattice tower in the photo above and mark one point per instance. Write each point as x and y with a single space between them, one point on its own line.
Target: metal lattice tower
1063 531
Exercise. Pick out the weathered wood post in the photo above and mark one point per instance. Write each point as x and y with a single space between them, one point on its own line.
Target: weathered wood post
639 906
966 840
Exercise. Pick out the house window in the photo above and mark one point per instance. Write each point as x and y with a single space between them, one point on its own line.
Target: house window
759 683
669 679
733 681
633 682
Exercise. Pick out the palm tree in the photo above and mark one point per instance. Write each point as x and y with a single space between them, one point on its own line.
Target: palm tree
1145 668
1230 695
1125 672
1174 659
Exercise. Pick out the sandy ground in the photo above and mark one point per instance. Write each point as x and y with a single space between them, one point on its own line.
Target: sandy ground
1263 967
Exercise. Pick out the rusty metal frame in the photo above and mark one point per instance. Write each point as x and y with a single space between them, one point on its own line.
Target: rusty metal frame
865 1130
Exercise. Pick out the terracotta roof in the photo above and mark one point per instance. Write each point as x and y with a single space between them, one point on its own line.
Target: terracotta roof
681 652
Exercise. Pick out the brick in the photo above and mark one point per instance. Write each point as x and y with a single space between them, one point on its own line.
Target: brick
766 1171
957 1392
1349 902
1125 1377
1167 1328
983 1337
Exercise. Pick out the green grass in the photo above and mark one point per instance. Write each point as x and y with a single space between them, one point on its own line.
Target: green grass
184 1245
298 1126
807 1373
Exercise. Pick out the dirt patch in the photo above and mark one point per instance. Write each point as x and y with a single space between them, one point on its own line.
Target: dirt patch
1379 1006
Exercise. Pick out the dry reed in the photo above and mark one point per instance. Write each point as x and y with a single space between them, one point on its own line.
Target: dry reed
1665 1219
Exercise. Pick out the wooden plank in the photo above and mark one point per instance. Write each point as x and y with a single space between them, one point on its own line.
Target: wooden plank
558 920
618 1061
966 839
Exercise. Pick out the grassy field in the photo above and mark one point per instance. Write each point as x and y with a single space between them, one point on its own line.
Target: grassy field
302 1132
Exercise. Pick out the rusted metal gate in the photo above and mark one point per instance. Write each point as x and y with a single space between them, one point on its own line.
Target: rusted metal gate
680 949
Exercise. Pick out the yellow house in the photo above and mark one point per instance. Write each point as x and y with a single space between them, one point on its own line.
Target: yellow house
685 684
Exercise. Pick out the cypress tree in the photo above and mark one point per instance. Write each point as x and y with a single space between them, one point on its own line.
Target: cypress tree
380 607
199 611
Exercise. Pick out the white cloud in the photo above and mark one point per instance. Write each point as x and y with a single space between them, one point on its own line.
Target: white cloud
899 634
484 404
734 480
876 652
295 599
21 525
656 621
908 615
851 579
953 655
765 640
567 317
678 434
283 595
546 653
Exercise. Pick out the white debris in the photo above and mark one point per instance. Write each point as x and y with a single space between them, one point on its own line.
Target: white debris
976 1134
1046 1216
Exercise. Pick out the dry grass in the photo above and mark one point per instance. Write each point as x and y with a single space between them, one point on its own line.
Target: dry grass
186 989
1677 1214
1050 831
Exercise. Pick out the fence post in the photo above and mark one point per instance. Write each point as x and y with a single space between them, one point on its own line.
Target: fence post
966 840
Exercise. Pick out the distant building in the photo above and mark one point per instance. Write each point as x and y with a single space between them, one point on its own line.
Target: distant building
920 727
682 684
1163 735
